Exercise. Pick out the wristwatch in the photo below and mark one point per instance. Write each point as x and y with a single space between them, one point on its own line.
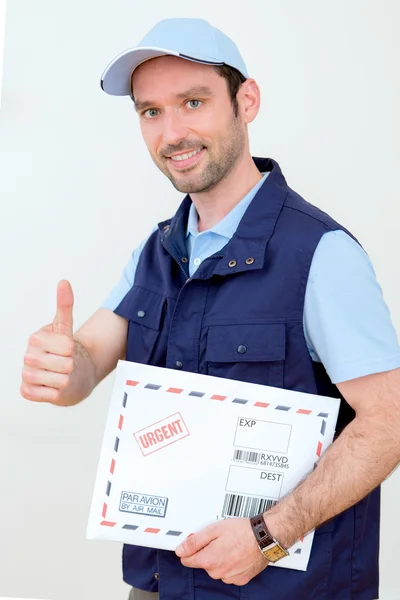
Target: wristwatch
269 547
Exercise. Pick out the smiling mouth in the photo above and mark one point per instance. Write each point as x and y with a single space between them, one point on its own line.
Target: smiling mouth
182 161
185 155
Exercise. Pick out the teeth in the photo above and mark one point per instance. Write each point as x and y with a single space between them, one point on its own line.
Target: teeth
185 156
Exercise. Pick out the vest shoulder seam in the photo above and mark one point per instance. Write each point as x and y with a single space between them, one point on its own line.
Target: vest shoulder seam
315 218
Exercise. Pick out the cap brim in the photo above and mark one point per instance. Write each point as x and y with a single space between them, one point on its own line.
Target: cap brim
116 79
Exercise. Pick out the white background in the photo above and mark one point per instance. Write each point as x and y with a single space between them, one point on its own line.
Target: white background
78 191
2 26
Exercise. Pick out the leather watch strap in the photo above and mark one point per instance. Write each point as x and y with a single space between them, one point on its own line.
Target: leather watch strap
260 530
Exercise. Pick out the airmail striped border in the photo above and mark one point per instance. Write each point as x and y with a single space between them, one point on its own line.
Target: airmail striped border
104 522
150 530
196 394
174 390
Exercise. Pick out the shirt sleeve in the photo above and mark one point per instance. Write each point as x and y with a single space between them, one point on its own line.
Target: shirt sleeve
127 280
347 323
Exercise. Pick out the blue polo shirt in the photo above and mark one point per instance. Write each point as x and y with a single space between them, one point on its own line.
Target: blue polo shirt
346 321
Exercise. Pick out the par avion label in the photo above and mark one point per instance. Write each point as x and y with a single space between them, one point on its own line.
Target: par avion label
143 504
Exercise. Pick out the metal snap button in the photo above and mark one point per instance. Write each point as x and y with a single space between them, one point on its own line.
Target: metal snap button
178 364
156 576
249 261
141 314
242 349
184 259
232 263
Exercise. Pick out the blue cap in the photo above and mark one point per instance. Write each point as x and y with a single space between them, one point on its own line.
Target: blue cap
191 39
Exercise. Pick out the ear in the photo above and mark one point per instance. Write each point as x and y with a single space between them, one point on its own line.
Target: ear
249 99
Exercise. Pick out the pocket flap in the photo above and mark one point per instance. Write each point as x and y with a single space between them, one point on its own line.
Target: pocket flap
248 342
143 307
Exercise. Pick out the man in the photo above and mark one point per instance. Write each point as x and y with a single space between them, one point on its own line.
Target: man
247 281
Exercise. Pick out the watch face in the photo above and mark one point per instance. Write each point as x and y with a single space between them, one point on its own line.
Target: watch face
275 553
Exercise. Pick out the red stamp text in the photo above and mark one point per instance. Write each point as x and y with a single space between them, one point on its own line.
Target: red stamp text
161 434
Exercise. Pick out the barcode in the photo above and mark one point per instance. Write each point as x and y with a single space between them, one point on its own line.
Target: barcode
247 457
245 506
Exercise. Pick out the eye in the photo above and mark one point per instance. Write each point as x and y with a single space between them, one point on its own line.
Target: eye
150 113
194 103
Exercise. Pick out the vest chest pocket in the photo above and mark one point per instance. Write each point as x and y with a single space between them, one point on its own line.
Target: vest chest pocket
253 352
144 310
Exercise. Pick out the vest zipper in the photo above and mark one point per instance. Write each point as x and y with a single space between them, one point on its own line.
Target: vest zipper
176 259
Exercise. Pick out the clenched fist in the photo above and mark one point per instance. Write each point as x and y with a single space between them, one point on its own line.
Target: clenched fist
48 360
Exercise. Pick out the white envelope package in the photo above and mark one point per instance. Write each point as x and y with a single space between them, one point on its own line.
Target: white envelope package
182 450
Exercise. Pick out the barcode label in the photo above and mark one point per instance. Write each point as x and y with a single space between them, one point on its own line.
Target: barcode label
246 457
245 506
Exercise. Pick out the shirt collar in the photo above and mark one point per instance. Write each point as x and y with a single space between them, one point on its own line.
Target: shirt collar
228 225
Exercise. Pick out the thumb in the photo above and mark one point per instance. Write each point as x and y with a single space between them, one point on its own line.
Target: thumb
62 322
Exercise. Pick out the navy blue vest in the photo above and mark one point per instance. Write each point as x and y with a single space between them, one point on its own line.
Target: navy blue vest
197 324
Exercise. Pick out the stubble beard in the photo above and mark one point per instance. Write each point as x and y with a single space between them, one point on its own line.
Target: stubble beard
217 167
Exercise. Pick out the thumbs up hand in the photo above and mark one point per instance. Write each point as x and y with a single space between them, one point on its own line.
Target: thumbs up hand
48 361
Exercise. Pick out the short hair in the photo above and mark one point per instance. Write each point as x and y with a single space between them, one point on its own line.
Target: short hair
234 80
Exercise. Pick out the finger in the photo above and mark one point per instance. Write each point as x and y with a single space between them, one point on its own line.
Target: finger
50 362
196 542
38 393
63 321
54 343
204 559
41 377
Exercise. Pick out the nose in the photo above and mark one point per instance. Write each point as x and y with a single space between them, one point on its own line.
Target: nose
174 131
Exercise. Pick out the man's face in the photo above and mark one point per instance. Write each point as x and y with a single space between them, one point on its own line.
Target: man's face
185 109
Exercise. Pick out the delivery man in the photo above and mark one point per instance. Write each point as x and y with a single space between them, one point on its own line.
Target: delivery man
247 281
